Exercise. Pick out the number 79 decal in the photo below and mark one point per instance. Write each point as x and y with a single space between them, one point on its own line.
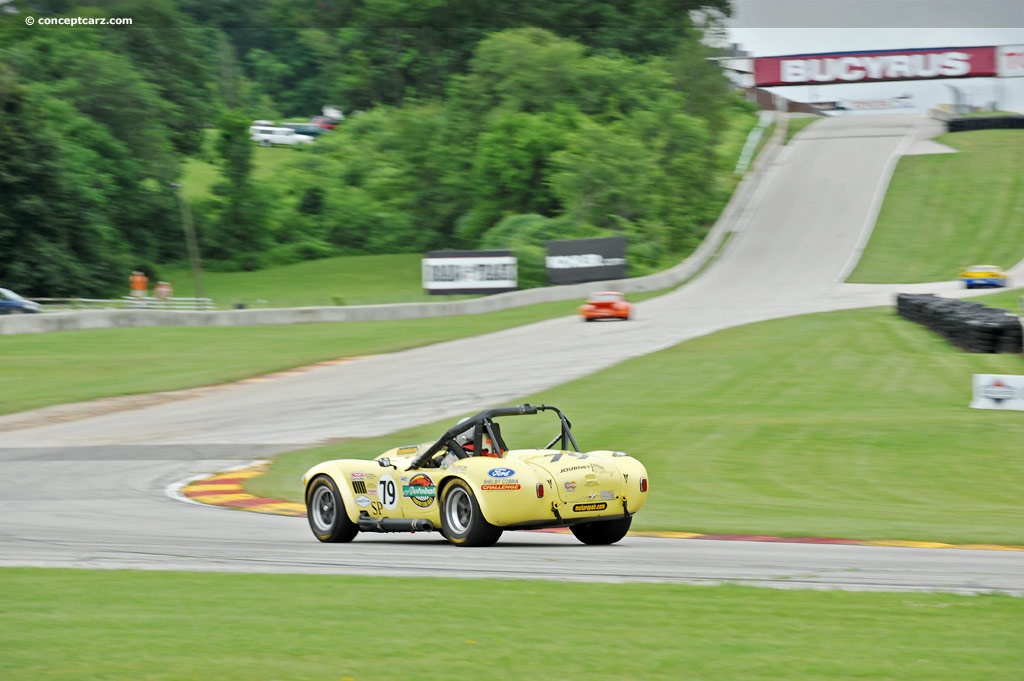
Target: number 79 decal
387 492
557 456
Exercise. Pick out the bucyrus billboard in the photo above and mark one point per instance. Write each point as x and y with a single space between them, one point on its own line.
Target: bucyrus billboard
864 67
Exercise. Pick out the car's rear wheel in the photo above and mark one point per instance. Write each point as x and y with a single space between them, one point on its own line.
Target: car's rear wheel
462 522
602 532
326 512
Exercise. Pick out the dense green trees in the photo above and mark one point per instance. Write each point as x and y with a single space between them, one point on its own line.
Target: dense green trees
469 125
55 235
101 123
580 143
235 234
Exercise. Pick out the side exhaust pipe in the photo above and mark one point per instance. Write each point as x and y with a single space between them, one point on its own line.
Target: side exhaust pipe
368 524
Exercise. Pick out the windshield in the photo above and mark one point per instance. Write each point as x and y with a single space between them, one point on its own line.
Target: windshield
10 295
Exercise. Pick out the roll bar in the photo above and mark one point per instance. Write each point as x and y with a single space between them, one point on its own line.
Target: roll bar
483 421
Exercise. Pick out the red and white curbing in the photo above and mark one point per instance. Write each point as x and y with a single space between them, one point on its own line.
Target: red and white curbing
226 489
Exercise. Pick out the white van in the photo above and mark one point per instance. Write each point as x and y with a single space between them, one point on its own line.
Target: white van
267 136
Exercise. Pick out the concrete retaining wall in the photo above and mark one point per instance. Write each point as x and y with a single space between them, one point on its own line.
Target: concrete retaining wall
105 319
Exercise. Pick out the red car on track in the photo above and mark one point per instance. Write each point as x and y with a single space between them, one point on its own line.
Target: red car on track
606 305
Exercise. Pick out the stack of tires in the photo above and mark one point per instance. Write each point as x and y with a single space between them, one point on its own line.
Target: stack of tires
967 325
985 123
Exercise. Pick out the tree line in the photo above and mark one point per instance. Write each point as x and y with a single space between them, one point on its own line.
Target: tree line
469 125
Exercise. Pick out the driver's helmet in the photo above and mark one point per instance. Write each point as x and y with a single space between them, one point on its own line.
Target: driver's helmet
466 437
466 440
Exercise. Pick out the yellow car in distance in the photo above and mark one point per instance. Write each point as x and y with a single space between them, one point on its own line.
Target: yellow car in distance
471 486
979 276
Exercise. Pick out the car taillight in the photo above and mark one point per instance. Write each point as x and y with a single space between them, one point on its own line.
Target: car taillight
643 484
540 490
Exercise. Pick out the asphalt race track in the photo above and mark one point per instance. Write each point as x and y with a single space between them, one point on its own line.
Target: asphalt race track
92 492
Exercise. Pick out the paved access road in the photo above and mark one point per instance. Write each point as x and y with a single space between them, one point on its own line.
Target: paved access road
90 492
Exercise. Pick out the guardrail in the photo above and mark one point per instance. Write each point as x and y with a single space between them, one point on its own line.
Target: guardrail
169 303
127 303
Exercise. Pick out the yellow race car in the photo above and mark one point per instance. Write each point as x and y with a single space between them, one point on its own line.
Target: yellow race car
470 486
983 275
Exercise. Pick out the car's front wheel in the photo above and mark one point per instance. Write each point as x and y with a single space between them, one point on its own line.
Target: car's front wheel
462 522
602 532
326 512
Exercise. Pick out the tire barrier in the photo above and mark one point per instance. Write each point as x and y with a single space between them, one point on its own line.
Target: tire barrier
984 123
965 324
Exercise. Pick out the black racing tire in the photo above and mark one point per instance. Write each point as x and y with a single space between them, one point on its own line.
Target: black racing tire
602 532
326 512
462 522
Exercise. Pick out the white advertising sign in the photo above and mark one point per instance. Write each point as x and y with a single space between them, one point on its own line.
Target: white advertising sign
1010 61
480 273
867 104
998 391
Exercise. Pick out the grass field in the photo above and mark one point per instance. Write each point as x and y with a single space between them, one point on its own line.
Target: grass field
58 368
947 211
352 280
797 124
60 625
199 176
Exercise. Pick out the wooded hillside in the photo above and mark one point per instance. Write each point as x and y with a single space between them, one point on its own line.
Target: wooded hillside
467 125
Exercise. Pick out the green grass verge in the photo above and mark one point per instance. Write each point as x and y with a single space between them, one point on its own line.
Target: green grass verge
152 626
943 212
199 175
346 280
797 124
865 432
57 368
1009 300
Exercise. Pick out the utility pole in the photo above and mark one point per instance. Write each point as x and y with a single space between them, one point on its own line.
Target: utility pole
190 241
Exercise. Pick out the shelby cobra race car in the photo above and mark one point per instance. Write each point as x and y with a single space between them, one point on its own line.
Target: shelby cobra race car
470 486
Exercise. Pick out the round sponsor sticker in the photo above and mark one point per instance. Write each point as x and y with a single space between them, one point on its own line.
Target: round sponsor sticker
420 490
